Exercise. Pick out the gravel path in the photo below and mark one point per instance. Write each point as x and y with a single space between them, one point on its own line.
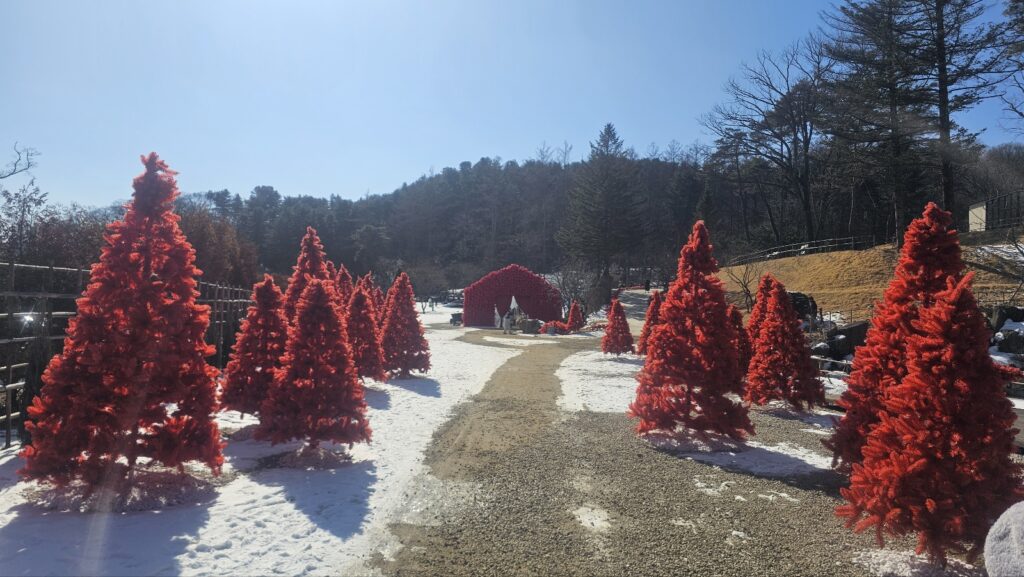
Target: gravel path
579 494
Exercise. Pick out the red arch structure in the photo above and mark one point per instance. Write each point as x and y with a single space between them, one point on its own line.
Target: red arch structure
535 296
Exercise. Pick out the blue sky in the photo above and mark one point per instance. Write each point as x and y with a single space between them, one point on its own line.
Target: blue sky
331 97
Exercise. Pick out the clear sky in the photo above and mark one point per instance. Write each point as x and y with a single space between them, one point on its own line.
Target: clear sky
332 97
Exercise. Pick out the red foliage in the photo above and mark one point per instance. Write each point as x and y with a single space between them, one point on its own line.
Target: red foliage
560 328
575 320
311 264
405 349
316 395
691 362
135 347
931 253
938 461
343 284
535 296
781 367
651 320
764 292
364 336
332 272
742 344
258 350
617 339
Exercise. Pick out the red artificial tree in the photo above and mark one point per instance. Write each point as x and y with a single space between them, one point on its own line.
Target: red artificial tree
258 349
651 320
405 349
132 380
364 337
574 322
332 271
343 284
742 345
692 365
560 328
316 395
617 339
764 291
938 461
310 264
930 254
781 367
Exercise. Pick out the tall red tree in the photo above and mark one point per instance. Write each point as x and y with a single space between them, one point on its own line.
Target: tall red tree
343 284
258 349
364 336
617 339
134 350
692 365
938 462
743 346
781 367
310 264
931 253
574 322
764 292
651 320
405 348
316 395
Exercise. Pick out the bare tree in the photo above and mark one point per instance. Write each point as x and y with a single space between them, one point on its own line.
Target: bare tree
24 160
748 277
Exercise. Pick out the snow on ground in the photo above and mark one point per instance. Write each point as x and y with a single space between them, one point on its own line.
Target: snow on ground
269 521
888 563
779 460
594 381
1003 251
834 386
520 342
440 315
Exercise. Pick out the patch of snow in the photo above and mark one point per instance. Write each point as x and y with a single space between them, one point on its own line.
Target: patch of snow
887 563
271 521
1004 358
1004 546
1003 251
520 342
834 387
779 460
821 431
594 381
593 518
712 490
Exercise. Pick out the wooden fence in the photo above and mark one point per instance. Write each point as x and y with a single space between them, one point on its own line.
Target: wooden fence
39 301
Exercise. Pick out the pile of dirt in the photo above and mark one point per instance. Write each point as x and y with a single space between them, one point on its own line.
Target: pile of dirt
846 281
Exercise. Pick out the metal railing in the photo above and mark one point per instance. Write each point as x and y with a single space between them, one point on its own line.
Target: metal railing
802 248
39 300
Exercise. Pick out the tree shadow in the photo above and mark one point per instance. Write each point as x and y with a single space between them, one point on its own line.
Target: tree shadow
419 385
378 399
35 540
808 418
336 500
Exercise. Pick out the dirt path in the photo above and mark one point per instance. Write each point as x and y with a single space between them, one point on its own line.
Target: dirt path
579 494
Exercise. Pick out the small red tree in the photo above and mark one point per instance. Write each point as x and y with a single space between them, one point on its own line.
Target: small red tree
743 346
691 363
316 395
257 351
332 272
343 284
364 337
938 462
781 367
764 292
310 264
651 320
574 322
931 254
135 348
617 339
405 349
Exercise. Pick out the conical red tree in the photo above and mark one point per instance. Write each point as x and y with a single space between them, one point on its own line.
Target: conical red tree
692 364
938 462
258 349
617 339
310 264
316 395
931 253
764 291
575 320
332 272
382 301
781 367
651 320
743 346
343 284
405 349
364 337
135 348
